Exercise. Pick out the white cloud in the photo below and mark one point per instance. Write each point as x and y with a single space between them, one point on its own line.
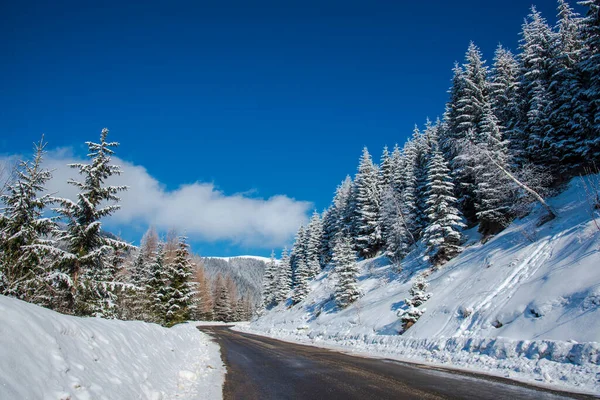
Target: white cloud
199 209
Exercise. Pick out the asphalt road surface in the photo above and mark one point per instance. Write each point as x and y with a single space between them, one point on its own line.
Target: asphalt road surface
262 368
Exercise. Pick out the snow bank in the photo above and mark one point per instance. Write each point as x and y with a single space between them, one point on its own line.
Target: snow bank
46 355
526 304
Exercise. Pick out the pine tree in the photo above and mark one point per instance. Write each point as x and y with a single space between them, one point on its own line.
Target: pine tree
180 304
346 269
134 304
504 98
471 104
469 113
537 51
238 310
398 238
538 115
24 230
337 221
385 169
398 165
569 105
222 311
408 194
284 282
423 142
452 116
367 198
419 296
157 287
270 281
314 241
589 66
493 189
298 252
442 235
87 248
301 276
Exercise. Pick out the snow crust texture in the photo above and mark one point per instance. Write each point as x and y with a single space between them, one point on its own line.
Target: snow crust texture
46 355
526 304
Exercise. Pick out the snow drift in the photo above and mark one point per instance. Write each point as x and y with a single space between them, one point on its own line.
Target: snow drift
46 355
526 304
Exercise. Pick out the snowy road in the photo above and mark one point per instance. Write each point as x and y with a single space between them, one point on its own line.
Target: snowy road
264 368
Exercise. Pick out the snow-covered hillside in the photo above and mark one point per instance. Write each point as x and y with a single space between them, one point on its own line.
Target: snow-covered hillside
246 271
526 304
259 258
46 355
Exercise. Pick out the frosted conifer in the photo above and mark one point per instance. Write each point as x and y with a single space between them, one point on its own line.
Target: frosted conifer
346 270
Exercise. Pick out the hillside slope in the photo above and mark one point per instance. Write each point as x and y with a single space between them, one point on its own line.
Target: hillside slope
46 355
526 304
246 271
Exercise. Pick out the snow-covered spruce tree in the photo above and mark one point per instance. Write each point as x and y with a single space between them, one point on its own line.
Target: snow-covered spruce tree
494 191
397 161
537 51
238 310
222 301
398 237
298 252
24 230
386 175
301 277
314 245
157 287
454 132
442 235
590 70
346 270
284 281
468 115
408 191
414 177
424 142
569 105
419 296
84 259
133 302
385 169
505 101
367 199
139 273
270 281
180 304
337 221
328 219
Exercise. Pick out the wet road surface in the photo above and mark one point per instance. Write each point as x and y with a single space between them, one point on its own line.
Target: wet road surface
262 368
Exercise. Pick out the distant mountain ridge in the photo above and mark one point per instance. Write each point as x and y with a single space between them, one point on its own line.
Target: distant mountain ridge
259 258
246 271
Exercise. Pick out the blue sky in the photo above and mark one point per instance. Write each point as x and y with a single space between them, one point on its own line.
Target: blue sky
254 97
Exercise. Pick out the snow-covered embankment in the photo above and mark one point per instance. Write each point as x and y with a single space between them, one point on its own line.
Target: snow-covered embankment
525 305
46 355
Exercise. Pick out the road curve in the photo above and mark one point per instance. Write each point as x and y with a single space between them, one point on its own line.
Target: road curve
262 368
